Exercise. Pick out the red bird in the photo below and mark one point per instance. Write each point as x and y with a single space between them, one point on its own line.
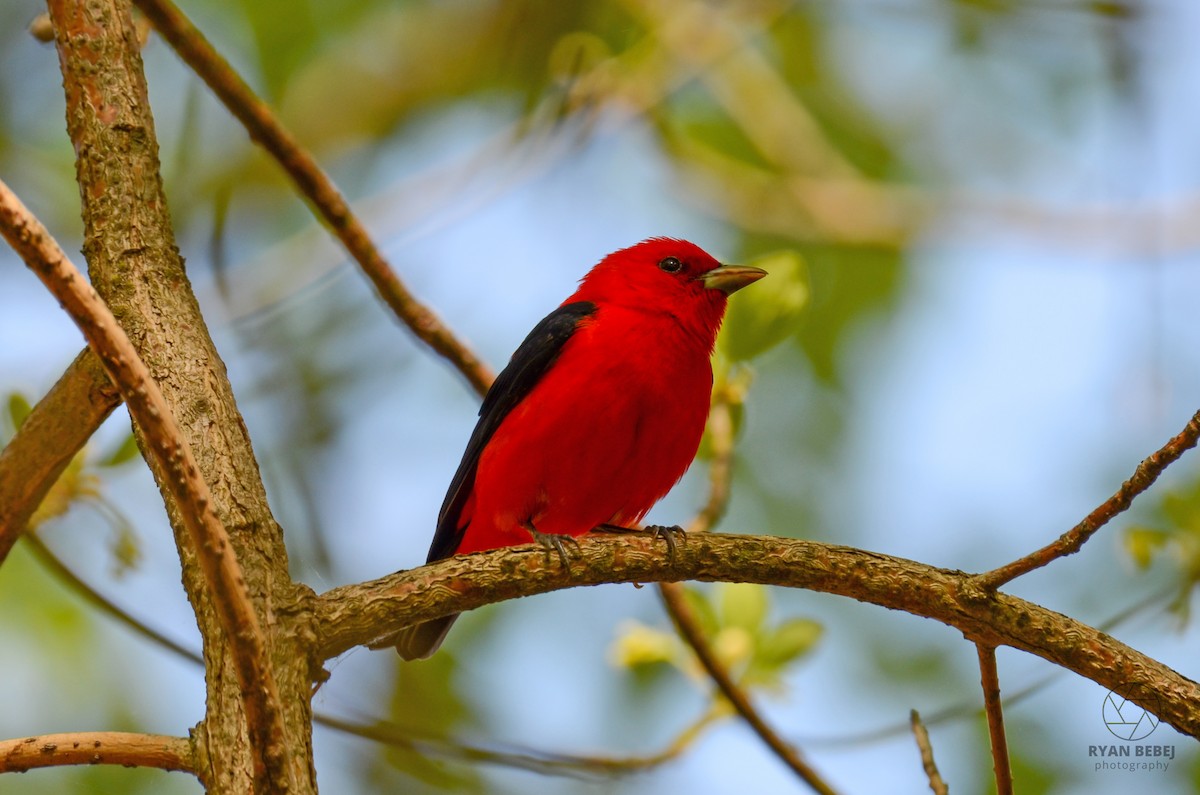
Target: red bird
598 413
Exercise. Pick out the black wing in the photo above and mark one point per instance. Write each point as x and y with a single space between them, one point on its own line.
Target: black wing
526 367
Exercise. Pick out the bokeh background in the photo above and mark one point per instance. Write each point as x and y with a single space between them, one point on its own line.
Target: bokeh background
997 208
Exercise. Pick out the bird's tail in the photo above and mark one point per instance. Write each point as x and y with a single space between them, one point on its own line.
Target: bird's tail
420 641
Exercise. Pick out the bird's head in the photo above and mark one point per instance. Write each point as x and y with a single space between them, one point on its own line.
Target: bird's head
669 276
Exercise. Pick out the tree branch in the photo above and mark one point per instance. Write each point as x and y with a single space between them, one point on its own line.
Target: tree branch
97 748
57 428
720 476
373 612
686 624
149 409
534 761
936 783
135 265
385 732
99 601
989 679
1073 540
196 51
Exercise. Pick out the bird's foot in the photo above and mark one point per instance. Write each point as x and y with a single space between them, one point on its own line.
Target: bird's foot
670 534
553 541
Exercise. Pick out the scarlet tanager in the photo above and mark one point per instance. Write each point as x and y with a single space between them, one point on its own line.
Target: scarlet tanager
598 413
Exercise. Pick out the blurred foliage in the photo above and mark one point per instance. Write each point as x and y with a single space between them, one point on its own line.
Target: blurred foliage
1171 532
57 636
18 410
82 482
1032 771
734 617
425 701
762 318
762 114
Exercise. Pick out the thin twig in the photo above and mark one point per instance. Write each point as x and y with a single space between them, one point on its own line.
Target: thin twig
690 630
57 428
58 568
198 53
167 444
534 761
383 731
720 476
749 88
936 782
720 467
990 681
1073 540
128 749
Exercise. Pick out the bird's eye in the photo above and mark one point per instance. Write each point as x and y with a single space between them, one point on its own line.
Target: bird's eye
670 265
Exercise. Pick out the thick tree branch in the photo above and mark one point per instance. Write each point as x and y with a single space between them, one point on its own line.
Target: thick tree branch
1073 540
57 428
385 732
370 613
149 410
196 51
97 748
136 267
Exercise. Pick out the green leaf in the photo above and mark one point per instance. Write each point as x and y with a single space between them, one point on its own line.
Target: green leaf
1141 543
790 640
18 409
766 313
638 645
703 609
73 484
742 605
1181 507
126 451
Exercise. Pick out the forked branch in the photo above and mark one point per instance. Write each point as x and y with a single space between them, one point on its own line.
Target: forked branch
1073 540
167 444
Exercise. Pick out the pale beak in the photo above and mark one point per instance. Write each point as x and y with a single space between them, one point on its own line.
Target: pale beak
731 278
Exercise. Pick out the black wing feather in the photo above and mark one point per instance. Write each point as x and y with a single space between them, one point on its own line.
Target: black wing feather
530 362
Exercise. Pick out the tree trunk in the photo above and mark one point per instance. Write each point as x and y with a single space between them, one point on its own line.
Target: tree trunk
136 268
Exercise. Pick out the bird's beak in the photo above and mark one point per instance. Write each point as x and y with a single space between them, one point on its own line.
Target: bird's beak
731 278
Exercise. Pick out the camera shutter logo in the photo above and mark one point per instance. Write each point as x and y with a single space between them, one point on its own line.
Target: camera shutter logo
1126 719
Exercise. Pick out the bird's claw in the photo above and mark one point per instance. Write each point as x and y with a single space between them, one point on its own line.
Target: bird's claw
555 542
670 534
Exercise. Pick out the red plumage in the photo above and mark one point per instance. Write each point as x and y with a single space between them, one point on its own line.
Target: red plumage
599 412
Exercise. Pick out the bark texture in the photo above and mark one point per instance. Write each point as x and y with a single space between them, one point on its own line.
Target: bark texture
371 613
136 268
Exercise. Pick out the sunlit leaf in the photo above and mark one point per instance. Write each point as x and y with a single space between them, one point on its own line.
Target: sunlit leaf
73 484
639 645
18 409
733 646
742 605
790 640
702 609
1142 543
